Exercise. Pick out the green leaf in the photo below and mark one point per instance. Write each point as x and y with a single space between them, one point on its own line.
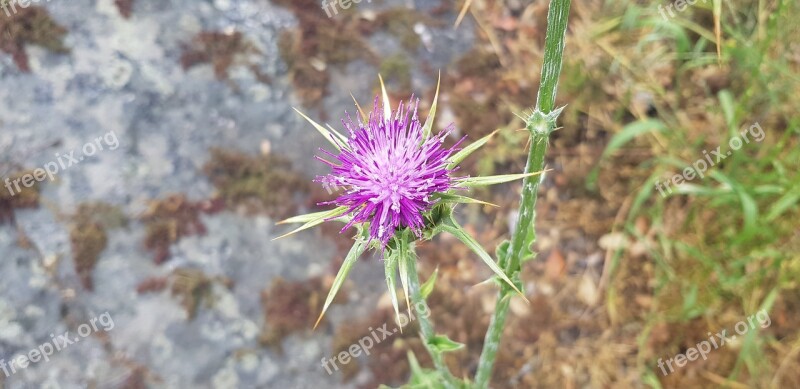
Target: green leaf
466 151
453 228
527 252
472 182
428 126
391 283
642 197
443 344
416 369
422 378
631 131
766 305
501 252
728 110
458 199
788 200
691 309
311 220
652 379
749 206
674 30
331 136
427 287
352 256
628 133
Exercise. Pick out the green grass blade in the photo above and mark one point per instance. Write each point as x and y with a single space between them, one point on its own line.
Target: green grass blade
749 206
628 133
728 106
631 131
790 199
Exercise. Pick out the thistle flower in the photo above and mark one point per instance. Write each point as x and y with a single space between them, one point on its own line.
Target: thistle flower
392 171
396 175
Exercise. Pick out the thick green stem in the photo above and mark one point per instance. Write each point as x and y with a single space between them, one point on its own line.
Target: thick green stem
511 264
540 134
540 124
426 330
492 342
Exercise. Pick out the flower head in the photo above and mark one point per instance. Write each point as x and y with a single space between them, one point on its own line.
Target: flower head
390 170
395 171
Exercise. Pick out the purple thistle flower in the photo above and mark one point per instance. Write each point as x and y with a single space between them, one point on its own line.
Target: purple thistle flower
390 171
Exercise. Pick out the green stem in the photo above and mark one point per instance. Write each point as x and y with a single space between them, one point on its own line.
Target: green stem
530 187
540 135
492 341
422 312
540 124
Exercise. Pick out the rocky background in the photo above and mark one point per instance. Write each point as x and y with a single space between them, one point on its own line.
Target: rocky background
171 231
164 239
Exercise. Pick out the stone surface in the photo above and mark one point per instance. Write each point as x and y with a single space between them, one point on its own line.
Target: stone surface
123 83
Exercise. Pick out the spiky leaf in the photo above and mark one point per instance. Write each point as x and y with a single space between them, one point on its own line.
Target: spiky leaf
527 248
363 115
331 135
314 219
501 252
422 378
427 287
358 248
453 228
390 268
466 151
428 126
406 264
387 105
472 182
315 216
458 199
443 344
